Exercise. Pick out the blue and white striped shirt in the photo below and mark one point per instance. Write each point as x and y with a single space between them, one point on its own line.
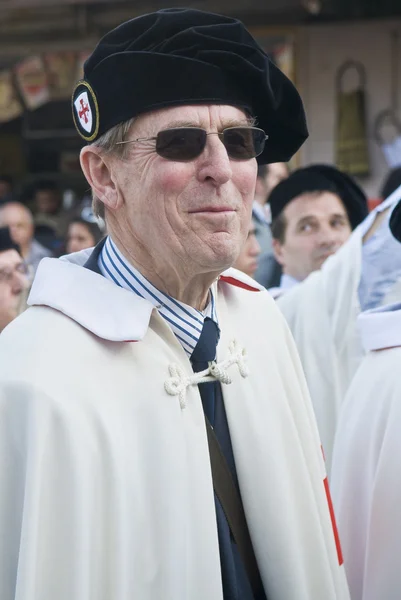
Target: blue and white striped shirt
185 321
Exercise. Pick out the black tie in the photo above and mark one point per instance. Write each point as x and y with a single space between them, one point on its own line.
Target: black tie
235 581
205 352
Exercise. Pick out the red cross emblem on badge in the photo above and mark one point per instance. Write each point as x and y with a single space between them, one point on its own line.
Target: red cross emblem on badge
84 112
84 109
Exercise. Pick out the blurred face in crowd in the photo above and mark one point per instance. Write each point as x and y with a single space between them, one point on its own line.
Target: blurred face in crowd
248 259
275 173
317 225
79 238
19 219
5 189
47 201
179 222
13 282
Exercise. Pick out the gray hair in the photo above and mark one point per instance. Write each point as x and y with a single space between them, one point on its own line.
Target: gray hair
108 144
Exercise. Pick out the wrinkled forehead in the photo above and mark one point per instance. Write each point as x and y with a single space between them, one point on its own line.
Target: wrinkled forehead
314 204
9 259
215 116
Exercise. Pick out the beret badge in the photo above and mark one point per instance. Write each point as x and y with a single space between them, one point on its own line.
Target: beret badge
85 111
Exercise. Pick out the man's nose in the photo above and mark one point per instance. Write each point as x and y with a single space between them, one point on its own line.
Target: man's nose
328 236
214 162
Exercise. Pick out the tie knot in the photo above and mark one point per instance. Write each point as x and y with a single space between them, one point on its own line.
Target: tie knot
205 349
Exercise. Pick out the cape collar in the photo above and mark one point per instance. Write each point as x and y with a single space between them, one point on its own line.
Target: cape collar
107 310
380 328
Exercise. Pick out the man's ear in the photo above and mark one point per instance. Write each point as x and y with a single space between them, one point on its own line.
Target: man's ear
97 170
278 251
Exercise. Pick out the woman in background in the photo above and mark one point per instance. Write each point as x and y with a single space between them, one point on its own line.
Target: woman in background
82 234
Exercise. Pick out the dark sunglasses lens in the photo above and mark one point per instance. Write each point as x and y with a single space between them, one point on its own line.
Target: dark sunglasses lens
243 143
182 143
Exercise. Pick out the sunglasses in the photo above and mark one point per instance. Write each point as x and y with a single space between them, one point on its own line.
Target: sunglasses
186 143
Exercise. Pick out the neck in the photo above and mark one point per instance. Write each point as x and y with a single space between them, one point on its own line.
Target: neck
25 249
290 276
176 283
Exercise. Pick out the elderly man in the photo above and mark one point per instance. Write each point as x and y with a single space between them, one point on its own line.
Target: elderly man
313 214
13 279
19 219
145 465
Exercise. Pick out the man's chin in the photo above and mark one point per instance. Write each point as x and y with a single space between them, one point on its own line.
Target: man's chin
222 256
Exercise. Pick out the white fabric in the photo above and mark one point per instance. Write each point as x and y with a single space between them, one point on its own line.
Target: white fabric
105 477
286 283
321 312
381 265
380 328
366 469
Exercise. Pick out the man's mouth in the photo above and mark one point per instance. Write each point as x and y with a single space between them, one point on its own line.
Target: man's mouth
212 209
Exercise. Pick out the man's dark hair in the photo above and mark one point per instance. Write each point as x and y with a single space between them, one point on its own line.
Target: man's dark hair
46 185
92 227
278 228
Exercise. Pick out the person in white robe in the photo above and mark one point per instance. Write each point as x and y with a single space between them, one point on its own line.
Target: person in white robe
322 312
367 459
108 480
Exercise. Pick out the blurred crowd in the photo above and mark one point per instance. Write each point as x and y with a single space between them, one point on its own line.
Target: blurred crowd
35 228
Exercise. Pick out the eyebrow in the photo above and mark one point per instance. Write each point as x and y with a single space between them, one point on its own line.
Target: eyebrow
245 122
305 219
312 218
338 216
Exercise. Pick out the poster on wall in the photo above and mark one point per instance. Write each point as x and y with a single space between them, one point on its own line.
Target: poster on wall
10 106
33 82
279 44
61 68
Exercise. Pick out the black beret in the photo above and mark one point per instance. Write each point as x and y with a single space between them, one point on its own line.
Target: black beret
6 243
321 178
181 56
395 222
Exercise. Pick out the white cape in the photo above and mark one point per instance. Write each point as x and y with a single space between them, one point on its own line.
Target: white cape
366 468
322 312
105 484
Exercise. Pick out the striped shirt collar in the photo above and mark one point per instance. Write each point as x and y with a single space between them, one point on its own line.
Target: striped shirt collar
185 321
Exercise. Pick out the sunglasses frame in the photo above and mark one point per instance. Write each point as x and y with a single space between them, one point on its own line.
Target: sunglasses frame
219 133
